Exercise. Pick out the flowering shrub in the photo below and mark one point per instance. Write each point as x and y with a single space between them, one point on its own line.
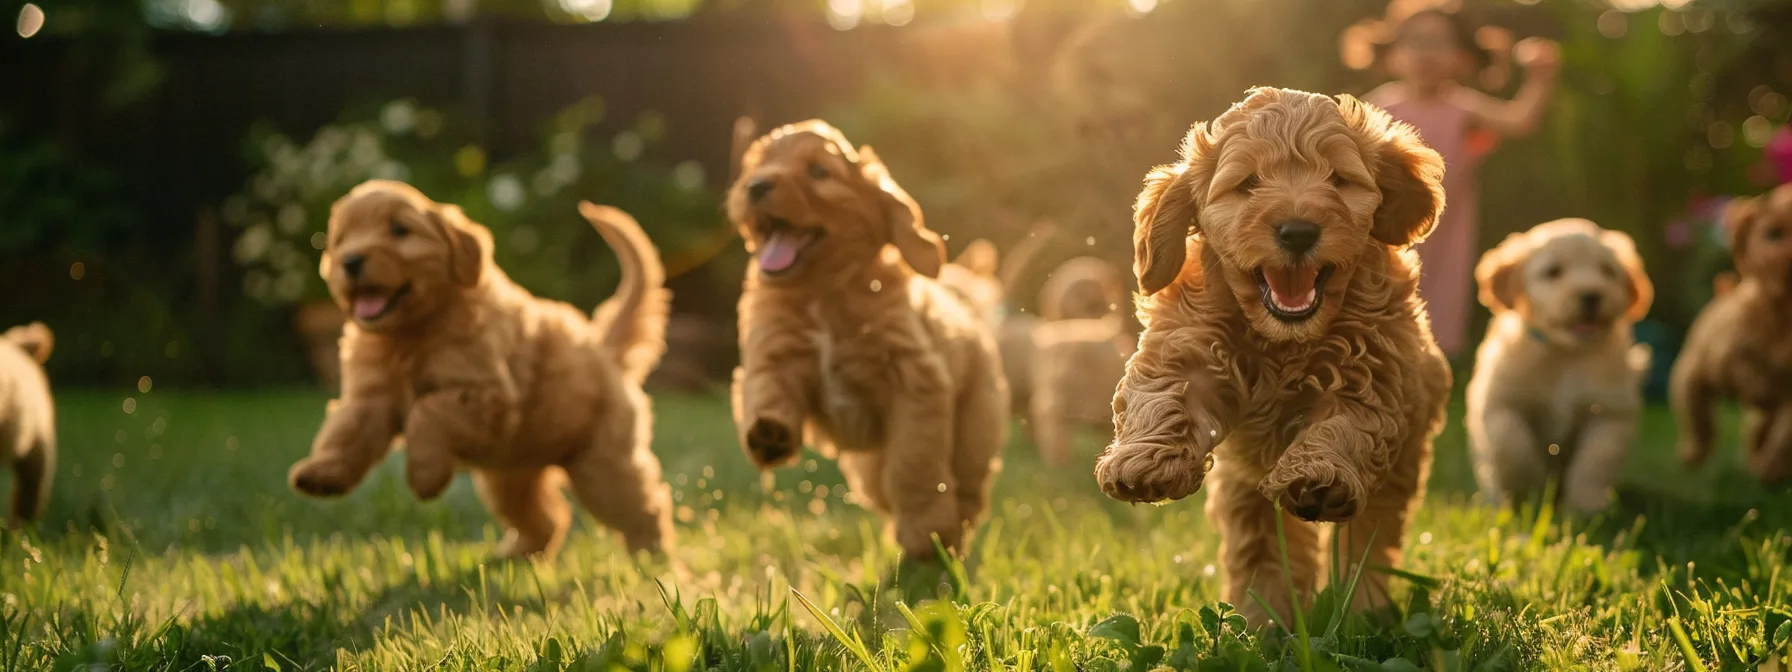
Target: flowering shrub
529 203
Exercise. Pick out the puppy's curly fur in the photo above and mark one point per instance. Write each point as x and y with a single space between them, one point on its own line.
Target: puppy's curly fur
27 419
444 349
1738 348
847 339
1557 387
1284 336
1081 351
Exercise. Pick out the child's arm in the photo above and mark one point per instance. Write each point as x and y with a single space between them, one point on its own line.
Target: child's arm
1520 115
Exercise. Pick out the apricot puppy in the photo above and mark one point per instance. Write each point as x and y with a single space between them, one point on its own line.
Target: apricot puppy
1557 387
445 350
849 342
1283 336
27 419
1739 348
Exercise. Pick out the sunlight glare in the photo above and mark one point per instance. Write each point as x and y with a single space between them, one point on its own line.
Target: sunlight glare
1000 10
845 14
589 10
899 12
1140 7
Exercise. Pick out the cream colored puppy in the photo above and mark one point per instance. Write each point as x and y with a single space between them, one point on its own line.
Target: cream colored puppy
1557 386
27 420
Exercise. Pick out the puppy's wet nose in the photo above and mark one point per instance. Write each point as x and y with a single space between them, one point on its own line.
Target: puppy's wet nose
1589 302
758 188
1297 236
351 264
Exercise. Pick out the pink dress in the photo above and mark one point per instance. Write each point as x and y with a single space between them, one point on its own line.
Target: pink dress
1447 276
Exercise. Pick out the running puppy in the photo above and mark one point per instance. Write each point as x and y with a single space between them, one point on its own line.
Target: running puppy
849 342
1557 387
27 420
1283 335
473 371
1738 347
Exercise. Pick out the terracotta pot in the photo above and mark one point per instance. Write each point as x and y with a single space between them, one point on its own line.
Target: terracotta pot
319 325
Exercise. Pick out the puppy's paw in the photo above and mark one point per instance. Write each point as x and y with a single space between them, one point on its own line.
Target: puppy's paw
772 444
1692 452
516 546
1151 473
321 478
1315 492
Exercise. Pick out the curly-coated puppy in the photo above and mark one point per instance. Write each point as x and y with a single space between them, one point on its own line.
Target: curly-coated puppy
1557 387
1284 336
847 339
27 419
1081 351
445 350
1738 347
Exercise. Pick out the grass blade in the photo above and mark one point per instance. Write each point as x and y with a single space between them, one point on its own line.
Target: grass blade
1303 647
1692 657
851 643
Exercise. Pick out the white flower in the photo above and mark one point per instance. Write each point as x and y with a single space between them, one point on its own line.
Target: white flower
253 243
291 218
506 192
627 146
399 116
688 175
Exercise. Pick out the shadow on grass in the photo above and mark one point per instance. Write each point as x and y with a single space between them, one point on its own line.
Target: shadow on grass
1711 532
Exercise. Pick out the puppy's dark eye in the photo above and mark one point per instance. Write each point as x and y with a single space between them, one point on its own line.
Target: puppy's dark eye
1338 181
817 171
1552 272
1609 270
1775 234
399 230
1249 184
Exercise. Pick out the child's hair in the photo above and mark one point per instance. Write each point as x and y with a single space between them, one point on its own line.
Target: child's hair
1365 45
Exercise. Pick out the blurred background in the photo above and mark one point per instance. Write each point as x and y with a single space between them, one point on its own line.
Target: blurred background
166 166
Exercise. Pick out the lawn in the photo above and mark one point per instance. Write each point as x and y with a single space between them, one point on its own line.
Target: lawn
173 543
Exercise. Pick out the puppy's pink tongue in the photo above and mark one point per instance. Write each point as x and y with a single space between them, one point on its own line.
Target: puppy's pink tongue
1292 288
369 306
779 251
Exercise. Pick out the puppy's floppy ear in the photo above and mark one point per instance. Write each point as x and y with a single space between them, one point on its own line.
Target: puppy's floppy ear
1498 272
469 244
1642 291
1409 174
1163 217
1739 222
921 248
35 339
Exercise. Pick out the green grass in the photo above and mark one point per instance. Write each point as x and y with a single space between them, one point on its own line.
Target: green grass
172 543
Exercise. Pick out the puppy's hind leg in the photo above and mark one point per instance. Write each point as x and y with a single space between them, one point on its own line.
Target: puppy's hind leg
618 477
528 502
31 483
982 429
1770 455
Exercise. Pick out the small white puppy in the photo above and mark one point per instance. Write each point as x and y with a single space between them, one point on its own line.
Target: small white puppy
1557 387
27 419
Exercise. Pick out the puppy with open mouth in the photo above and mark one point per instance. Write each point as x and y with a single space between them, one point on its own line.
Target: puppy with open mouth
472 371
850 341
1557 387
1285 346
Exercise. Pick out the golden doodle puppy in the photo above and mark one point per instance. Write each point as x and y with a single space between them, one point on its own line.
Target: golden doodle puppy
1738 347
1557 388
27 419
473 371
1283 336
849 343
1082 347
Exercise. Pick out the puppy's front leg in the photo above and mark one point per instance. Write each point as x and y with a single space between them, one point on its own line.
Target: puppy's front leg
772 389
1329 472
918 457
357 433
455 424
1692 395
1170 410
1606 439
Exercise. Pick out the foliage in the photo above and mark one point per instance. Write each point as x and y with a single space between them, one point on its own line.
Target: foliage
172 543
528 202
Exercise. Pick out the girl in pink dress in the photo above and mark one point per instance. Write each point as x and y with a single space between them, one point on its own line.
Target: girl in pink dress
1429 52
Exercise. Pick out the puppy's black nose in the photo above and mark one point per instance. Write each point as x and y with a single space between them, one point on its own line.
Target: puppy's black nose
758 188
1297 236
1589 302
351 264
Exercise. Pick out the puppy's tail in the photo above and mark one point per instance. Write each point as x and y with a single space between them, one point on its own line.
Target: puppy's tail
633 320
35 339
